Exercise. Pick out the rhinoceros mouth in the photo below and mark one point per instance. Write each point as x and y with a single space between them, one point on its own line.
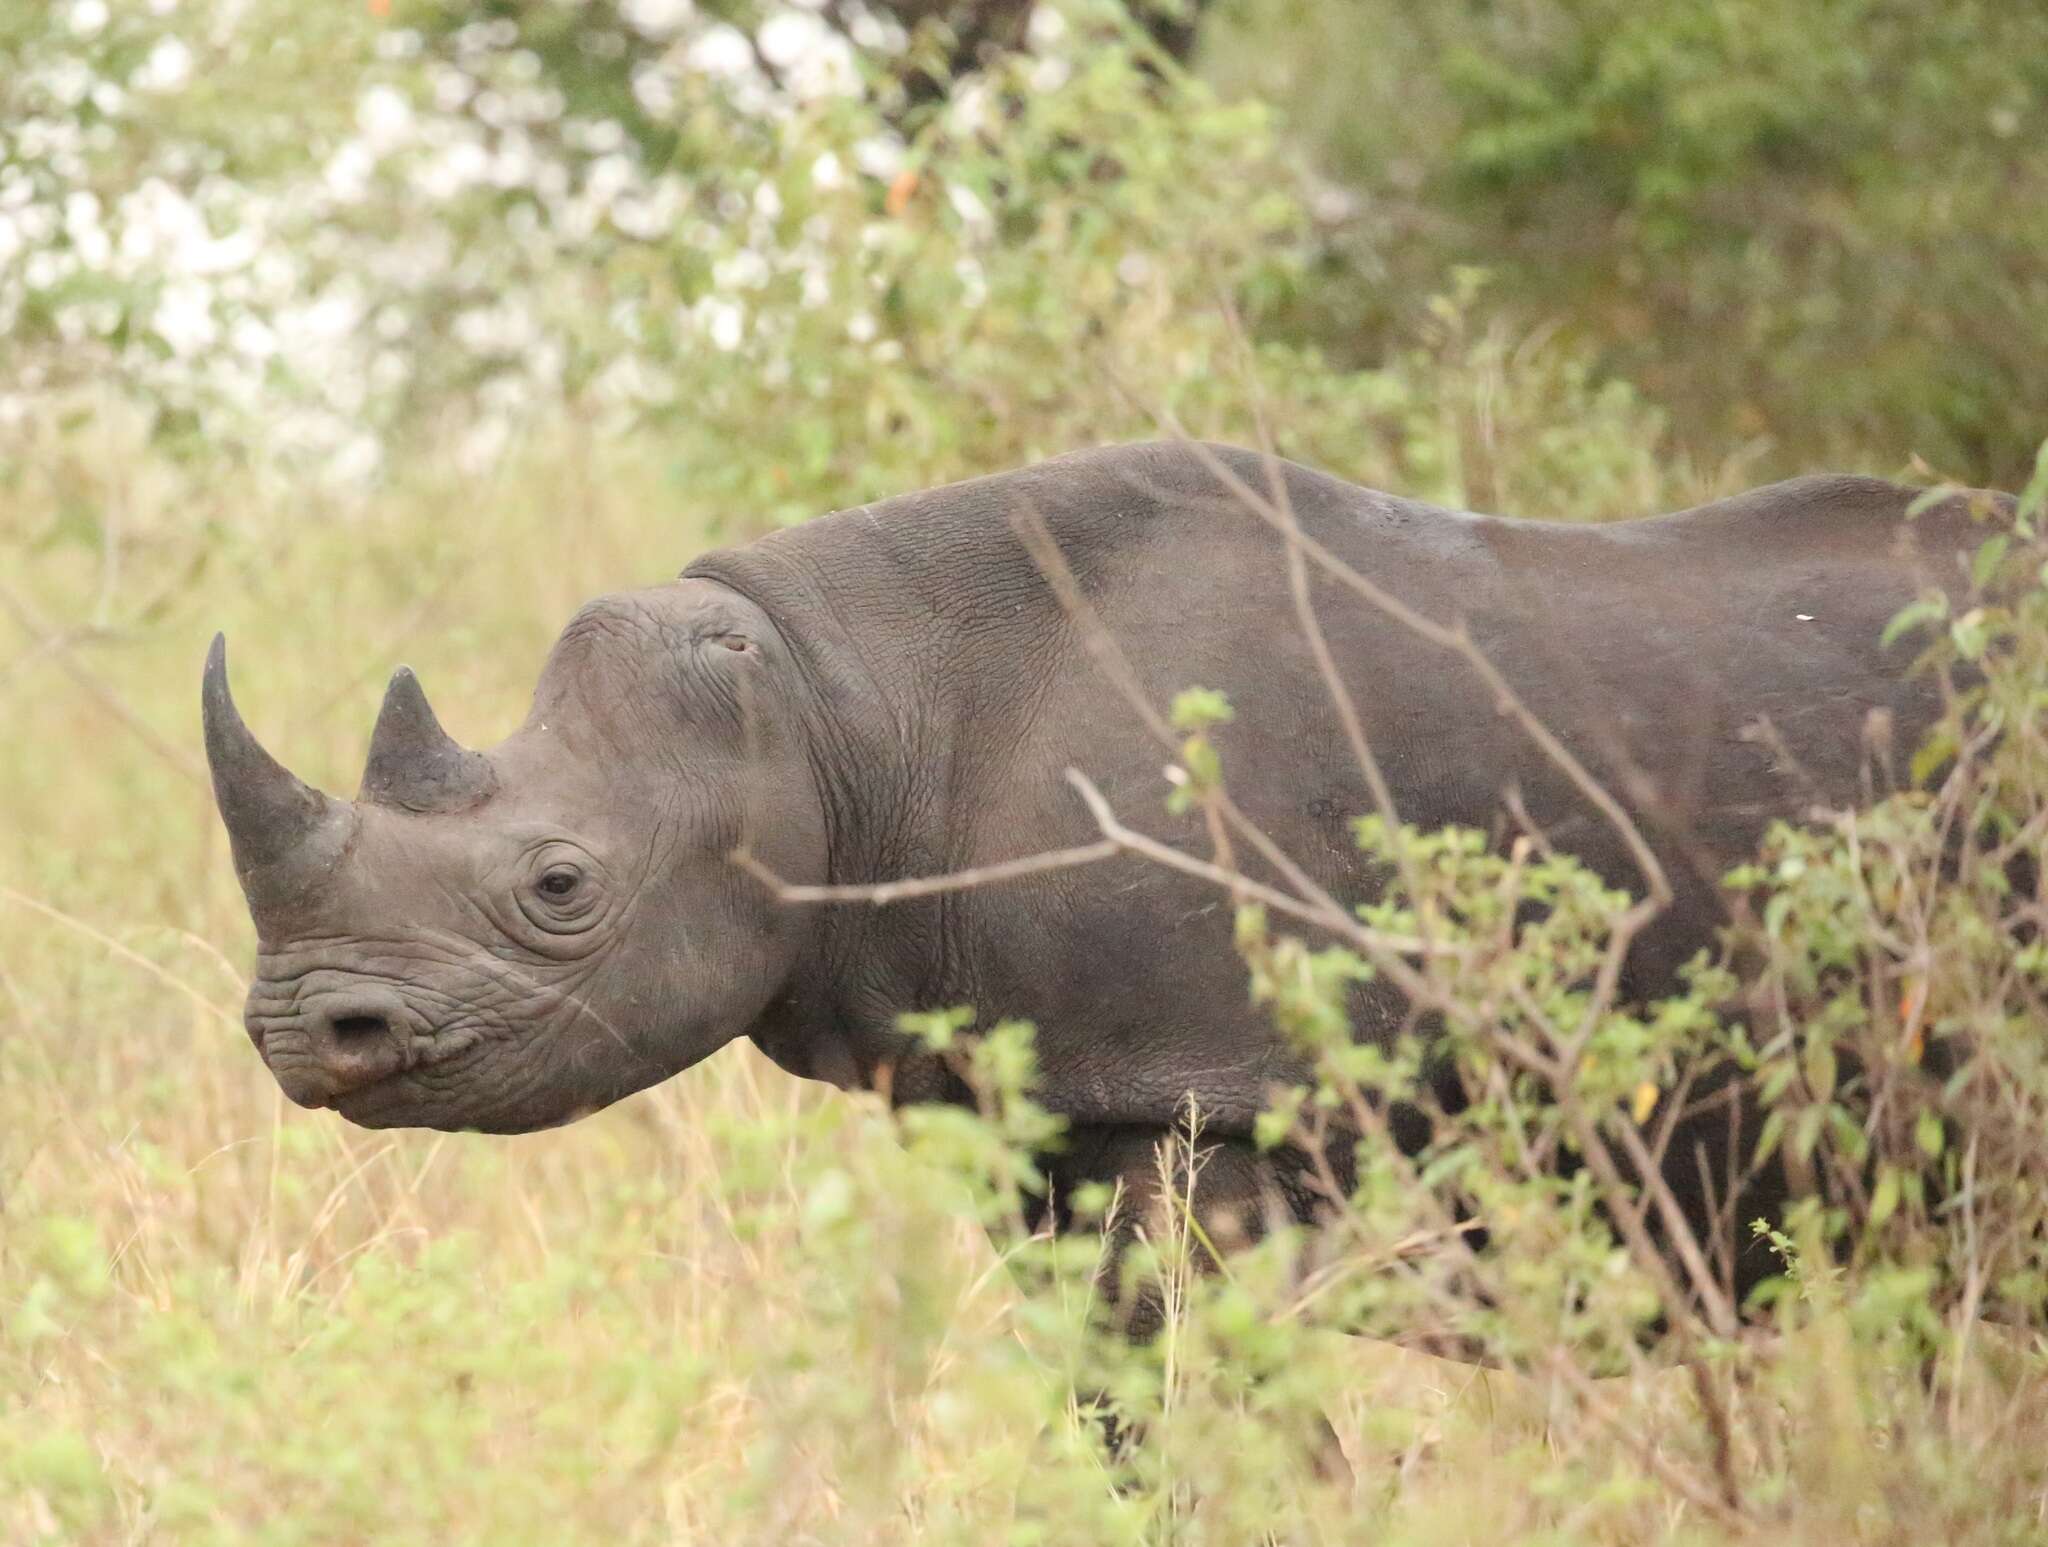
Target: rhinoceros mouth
323 1062
401 1101
402 1098
468 1082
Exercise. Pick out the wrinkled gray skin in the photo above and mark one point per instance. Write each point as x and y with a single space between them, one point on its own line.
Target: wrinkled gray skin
513 939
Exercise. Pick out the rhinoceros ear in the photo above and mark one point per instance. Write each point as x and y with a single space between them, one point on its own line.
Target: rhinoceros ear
416 764
276 824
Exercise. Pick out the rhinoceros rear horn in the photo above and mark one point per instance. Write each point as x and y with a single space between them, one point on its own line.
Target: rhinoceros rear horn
416 764
275 822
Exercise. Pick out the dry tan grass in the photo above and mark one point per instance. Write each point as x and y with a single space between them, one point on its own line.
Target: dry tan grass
731 1310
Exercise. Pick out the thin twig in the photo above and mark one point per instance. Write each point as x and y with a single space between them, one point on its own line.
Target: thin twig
1116 839
135 958
1038 541
1378 943
1672 1477
1311 626
1458 639
58 647
884 892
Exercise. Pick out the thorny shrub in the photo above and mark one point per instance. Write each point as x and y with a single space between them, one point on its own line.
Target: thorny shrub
1880 1003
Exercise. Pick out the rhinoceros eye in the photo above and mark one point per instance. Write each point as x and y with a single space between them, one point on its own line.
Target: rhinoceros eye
563 891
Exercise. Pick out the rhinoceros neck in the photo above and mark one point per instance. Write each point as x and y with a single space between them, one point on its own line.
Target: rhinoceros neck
945 690
854 700
926 632
863 706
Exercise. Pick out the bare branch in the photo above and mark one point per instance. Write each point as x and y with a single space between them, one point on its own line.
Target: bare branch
1116 839
1377 944
116 948
1297 579
881 893
1458 639
1045 552
1667 1472
58 647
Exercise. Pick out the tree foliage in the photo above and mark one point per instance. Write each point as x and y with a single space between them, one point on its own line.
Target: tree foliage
1810 224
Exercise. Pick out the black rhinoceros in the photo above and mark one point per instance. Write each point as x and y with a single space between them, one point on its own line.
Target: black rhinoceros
509 939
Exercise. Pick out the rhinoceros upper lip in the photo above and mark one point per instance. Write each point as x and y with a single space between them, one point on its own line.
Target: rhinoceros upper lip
419 1053
350 1102
332 1100
422 1052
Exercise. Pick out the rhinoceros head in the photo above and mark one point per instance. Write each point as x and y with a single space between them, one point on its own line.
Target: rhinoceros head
508 939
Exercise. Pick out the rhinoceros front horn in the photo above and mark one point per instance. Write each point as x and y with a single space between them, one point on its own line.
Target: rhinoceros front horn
276 823
416 764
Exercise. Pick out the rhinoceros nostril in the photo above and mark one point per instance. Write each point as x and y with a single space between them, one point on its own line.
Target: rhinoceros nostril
354 1039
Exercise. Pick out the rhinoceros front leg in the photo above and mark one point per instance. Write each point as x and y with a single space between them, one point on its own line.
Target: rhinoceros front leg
1193 1198
1188 1197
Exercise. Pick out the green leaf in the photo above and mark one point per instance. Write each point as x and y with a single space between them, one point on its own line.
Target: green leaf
1820 1070
1929 1134
1272 1126
1969 634
1928 609
1770 1136
1939 747
1990 554
1884 1201
1927 499
1197 709
1199 758
1806 1132
2034 498
829 1200
937 1029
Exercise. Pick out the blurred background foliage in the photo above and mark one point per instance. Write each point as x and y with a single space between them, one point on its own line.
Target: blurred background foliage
1812 225
1807 232
395 329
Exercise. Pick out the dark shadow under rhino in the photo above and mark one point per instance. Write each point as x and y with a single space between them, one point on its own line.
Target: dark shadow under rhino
509 939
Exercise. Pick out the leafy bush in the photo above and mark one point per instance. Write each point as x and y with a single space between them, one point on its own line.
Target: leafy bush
1801 221
469 244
